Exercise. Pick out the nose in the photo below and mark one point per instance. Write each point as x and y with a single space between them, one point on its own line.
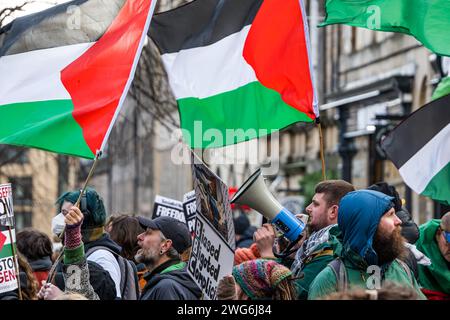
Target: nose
308 209
140 237
397 221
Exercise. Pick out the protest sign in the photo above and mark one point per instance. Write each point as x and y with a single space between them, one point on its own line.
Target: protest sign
189 208
8 280
211 258
166 207
6 205
213 202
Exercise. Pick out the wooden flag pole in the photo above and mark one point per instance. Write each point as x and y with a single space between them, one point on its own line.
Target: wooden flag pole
322 157
52 273
13 250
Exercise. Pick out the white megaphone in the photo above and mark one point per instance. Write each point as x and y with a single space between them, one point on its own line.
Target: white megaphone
255 194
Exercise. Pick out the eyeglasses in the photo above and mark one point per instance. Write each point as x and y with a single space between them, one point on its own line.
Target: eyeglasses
447 236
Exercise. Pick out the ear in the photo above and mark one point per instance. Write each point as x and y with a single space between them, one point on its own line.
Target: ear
166 245
333 212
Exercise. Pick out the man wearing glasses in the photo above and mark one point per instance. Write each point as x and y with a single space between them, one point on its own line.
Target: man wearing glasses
434 241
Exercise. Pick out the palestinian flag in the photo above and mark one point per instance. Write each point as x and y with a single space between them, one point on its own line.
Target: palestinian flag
66 72
239 69
426 20
420 148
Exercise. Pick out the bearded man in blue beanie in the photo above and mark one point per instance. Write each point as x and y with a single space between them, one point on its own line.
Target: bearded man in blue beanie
372 244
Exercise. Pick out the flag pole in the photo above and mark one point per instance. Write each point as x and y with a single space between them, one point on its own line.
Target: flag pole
322 157
52 273
13 250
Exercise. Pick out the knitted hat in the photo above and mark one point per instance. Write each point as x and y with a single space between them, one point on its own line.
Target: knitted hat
259 278
94 215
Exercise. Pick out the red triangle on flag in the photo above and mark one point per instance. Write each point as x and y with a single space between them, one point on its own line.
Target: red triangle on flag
2 240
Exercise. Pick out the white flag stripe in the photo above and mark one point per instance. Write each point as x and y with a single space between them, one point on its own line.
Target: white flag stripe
207 71
36 75
8 239
418 171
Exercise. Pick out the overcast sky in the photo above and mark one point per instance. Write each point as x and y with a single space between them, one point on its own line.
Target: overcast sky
33 6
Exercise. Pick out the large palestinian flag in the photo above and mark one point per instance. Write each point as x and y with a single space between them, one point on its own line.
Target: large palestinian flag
65 73
420 148
238 68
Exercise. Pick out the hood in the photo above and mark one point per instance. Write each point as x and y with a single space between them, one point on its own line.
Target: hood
43 264
181 276
428 245
358 218
104 241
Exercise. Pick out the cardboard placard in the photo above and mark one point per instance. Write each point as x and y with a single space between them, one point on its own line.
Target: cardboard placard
166 207
211 258
8 280
6 205
190 210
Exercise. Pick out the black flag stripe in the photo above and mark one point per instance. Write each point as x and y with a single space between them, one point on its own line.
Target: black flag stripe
201 23
413 133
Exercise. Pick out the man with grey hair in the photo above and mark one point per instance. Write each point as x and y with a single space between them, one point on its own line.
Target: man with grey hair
161 246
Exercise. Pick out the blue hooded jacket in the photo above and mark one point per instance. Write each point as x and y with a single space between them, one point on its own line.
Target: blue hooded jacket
359 214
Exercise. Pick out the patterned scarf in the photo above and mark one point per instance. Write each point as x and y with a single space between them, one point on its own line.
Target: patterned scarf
315 239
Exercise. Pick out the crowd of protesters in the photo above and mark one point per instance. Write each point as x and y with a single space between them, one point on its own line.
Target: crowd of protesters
358 245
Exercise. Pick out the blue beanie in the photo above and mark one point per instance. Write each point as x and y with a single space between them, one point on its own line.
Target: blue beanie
359 214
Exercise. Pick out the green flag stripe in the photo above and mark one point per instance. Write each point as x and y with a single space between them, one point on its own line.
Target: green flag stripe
439 187
6 251
41 124
250 111
426 20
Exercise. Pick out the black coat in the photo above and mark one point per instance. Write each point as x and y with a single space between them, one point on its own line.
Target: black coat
173 285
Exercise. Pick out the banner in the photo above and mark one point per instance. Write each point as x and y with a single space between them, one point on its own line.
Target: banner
211 258
190 210
213 202
6 205
166 207
8 281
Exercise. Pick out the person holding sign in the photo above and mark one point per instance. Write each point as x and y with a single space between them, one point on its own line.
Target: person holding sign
76 271
162 244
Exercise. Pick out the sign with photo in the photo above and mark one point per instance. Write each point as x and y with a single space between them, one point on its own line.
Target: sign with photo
211 258
190 210
213 202
166 207
6 205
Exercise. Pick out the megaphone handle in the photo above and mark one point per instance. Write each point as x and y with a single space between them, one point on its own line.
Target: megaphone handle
289 249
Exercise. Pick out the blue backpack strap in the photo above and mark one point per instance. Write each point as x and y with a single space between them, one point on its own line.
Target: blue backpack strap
338 267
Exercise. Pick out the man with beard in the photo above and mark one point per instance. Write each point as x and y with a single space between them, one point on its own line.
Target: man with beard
318 249
371 246
161 245
434 241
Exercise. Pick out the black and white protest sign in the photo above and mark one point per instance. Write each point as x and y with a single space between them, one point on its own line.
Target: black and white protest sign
211 258
190 209
166 207
6 205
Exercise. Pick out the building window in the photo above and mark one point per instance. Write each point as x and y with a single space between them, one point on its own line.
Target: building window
22 191
11 154
23 219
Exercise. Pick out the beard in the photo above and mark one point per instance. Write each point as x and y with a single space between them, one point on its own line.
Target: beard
149 257
389 246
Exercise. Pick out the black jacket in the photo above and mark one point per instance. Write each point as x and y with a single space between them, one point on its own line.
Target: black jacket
173 285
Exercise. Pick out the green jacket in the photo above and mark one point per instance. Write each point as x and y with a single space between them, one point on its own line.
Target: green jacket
435 277
316 262
326 282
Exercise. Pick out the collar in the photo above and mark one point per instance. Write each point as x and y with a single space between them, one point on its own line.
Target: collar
162 268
